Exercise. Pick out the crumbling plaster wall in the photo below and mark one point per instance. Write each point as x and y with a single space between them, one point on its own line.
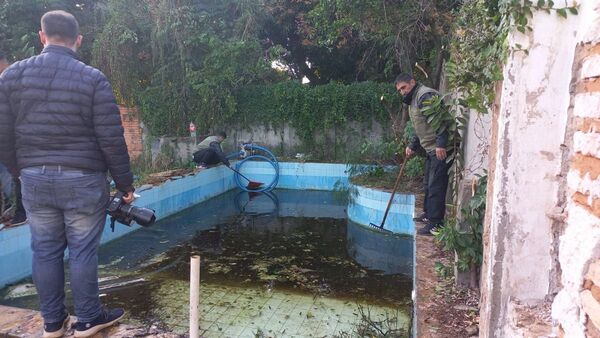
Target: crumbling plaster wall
476 146
526 165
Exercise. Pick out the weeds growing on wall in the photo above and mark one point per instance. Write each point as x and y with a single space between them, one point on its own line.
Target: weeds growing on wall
467 243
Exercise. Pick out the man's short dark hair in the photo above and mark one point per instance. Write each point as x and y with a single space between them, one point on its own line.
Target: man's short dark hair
403 77
222 134
61 26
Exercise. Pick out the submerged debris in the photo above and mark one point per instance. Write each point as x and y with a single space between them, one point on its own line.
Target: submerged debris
21 290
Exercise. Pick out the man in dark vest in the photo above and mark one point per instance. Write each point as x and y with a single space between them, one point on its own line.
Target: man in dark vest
435 144
61 131
209 152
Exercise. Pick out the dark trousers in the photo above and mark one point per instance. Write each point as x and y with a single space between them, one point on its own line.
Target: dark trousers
18 197
13 185
206 156
435 185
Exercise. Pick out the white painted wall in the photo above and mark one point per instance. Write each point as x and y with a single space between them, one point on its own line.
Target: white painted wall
531 128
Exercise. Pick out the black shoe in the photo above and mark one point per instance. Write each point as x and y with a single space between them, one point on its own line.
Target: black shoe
19 219
421 218
58 329
107 318
429 229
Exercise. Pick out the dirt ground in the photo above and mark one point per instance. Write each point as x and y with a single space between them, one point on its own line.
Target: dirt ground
443 310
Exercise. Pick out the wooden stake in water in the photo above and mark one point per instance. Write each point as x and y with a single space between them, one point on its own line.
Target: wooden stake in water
194 296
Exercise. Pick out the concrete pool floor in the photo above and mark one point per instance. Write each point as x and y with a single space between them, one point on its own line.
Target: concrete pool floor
256 312
233 312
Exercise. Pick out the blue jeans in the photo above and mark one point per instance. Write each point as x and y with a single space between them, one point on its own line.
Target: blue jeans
66 209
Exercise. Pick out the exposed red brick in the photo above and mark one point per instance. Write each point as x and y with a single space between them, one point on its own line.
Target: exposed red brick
593 273
590 125
596 292
591 331
132 131
586 164
588 86
591 307
561 332
583 200
587 284
588 49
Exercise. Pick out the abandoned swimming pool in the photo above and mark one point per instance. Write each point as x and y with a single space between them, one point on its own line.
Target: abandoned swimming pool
287 263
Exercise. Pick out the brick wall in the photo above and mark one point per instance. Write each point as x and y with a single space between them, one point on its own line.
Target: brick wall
133 130
580 246
584 175
590 299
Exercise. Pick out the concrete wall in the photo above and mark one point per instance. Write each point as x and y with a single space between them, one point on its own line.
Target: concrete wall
282 141
527 170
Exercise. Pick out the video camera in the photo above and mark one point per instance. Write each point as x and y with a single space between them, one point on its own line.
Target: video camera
124 213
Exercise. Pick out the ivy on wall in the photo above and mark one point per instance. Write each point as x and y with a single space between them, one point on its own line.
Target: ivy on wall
312 110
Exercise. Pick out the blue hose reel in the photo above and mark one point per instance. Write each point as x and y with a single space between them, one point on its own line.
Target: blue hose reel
253 152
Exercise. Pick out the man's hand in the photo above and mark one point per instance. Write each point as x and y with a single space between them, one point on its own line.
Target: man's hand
409 152
440 153
128 197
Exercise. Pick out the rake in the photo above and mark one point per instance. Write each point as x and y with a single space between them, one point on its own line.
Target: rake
387 210
252 185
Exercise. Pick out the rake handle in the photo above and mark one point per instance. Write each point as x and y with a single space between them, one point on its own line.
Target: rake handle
387 210
239 173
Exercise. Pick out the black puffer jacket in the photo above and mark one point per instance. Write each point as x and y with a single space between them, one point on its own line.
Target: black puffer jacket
55 110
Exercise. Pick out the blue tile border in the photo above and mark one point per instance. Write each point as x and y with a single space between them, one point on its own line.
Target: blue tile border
175 195
368 206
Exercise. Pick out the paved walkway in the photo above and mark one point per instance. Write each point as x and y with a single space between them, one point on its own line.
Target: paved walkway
23 323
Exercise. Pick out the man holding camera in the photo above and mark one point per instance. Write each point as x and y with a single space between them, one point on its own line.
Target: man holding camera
60 129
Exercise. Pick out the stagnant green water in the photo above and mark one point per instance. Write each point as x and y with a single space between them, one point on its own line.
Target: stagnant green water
260 254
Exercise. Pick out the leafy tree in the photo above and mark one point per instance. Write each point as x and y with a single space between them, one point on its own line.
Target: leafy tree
20 24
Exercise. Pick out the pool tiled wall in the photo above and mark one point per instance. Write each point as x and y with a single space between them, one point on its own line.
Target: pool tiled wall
368 206
176 195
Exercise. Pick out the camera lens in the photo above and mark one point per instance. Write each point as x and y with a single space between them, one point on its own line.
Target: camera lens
143 216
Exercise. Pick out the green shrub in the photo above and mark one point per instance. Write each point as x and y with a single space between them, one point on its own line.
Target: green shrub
415 167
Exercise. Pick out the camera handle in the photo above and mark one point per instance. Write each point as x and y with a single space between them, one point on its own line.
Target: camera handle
112 223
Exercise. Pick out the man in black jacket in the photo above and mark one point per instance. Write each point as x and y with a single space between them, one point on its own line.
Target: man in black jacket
60 129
